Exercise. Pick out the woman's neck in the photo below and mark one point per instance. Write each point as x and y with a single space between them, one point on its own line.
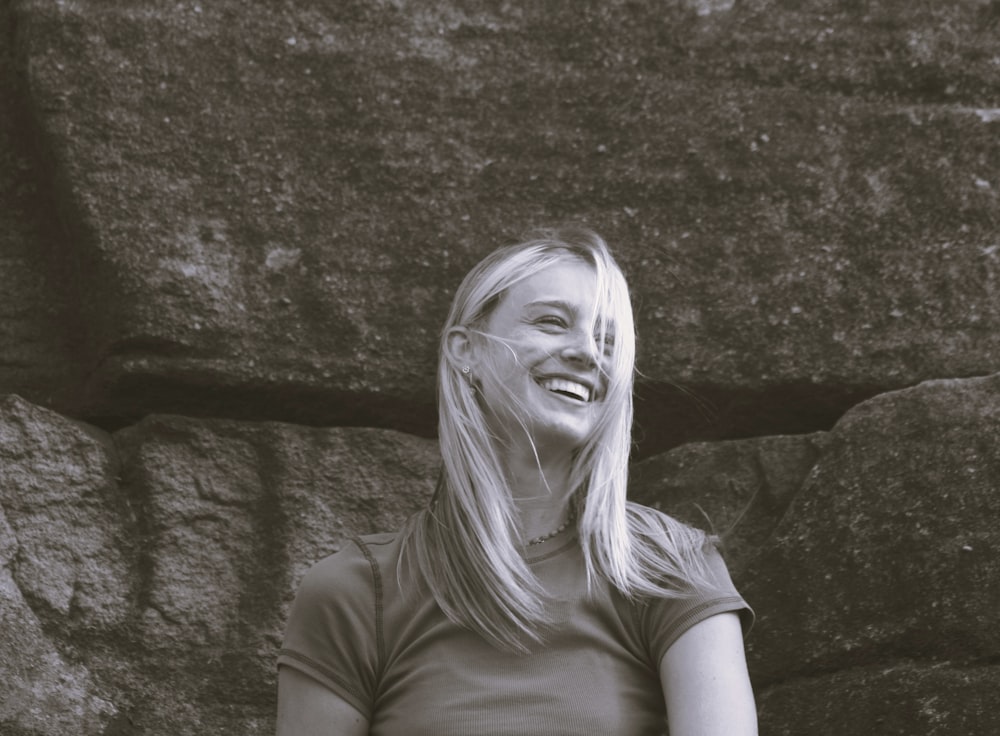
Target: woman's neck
541 491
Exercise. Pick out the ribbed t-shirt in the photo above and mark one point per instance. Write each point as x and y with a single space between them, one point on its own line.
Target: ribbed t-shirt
411 672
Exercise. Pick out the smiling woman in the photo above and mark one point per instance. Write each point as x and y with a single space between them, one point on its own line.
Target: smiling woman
530 597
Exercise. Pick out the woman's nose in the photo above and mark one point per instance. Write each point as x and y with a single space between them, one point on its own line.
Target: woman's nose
580 348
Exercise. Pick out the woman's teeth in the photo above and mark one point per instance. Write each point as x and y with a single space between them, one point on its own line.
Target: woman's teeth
566 387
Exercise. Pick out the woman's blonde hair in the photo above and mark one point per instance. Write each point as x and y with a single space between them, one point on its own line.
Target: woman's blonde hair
467 546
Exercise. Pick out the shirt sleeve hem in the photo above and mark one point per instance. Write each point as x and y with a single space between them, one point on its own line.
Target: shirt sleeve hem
325 677
729 604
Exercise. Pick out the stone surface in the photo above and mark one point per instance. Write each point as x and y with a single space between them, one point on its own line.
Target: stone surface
894 699
70 528
738 490
890 548
43 694
804 198
36 355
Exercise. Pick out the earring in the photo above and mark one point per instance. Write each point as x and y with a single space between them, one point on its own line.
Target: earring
466 369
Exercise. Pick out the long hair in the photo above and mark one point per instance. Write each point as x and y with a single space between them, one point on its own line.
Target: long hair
467 546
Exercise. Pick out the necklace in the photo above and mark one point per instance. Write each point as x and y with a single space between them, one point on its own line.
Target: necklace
555 533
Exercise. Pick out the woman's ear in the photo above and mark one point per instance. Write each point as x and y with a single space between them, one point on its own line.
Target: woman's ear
459 349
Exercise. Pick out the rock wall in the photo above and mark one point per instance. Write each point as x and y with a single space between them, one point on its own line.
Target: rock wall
229 232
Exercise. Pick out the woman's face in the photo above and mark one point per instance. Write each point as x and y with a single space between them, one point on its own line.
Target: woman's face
547 381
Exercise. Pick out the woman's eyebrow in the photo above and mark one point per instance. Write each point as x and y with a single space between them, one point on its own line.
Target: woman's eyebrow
557 303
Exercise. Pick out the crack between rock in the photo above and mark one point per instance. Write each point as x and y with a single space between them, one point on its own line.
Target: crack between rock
665 417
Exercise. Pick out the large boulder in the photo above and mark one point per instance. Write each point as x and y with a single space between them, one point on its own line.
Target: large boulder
276 202
889 551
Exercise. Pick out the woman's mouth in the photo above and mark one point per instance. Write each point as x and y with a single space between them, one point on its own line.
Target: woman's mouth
566 387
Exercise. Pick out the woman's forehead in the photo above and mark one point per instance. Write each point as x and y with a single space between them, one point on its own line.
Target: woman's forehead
568 286
567 282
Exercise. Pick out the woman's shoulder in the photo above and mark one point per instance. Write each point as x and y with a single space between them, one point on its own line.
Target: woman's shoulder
694 556
357 565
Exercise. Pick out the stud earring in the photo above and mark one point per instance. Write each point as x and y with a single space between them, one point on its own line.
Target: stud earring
466 369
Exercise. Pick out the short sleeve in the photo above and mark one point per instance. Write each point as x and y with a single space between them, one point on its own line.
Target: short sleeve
665 619
331 634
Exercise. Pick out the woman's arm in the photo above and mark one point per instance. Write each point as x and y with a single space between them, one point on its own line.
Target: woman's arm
307 708
705 681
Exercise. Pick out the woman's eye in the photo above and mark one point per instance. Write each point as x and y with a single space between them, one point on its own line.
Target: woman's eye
551 320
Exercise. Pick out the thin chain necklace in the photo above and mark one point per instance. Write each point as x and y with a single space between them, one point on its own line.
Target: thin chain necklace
554 533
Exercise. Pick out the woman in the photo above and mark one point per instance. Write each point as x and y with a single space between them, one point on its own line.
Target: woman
530 597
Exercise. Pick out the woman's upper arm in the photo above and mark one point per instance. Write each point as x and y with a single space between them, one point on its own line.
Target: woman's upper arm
307 708
705 681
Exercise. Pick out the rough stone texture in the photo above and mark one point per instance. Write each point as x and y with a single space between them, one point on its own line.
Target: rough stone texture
57 548
35 348
738 490
805 198
894 699
43 694
891 547
57 490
